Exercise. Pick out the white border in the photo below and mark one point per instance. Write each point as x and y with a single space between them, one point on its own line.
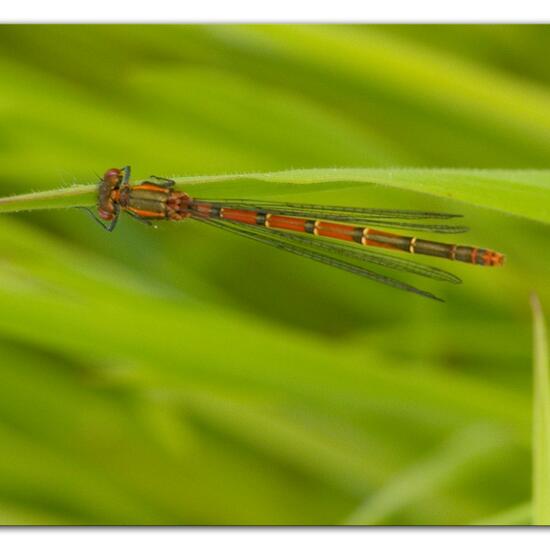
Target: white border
231 11
276 539
313 11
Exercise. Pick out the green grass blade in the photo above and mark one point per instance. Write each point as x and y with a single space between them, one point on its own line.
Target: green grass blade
81 195
541 420
426 477
521 193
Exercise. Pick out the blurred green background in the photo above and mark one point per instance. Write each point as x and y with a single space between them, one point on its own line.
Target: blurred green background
186 376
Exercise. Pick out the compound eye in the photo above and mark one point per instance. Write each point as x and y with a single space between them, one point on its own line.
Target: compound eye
113 175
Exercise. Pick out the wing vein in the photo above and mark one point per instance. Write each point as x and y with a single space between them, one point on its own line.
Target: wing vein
280 241
368 216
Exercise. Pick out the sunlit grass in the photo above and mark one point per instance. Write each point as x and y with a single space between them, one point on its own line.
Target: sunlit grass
541 419
521 193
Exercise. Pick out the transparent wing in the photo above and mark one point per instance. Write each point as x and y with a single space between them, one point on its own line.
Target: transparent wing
368 216
313 251
362 254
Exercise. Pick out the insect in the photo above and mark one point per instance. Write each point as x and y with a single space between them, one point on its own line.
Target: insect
342 237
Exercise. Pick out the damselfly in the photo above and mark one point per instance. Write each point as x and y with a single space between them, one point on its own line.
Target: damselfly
308 230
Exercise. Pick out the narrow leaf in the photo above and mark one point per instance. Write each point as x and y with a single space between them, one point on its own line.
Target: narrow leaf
541 419
524 193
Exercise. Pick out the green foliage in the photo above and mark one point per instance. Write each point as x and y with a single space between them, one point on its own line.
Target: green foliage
183 375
